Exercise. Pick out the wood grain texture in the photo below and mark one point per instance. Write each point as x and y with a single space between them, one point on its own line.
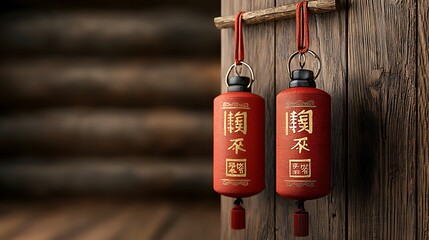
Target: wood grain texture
275 13
328 40
259 53
105 176
106 133
107 33
382 120
55 82
423 121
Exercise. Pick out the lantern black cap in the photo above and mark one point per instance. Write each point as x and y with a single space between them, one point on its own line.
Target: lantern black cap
302 78
238 84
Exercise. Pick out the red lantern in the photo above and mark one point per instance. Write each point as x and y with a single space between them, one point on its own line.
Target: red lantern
303 132
238 144
303 143
238 136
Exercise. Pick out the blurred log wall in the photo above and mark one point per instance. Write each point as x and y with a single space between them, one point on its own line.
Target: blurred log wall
107 97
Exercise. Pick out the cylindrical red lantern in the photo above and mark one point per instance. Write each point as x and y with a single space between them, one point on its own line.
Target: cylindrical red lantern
303 146
303 134
238 145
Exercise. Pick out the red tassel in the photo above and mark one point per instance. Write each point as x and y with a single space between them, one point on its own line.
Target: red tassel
300 227
238 217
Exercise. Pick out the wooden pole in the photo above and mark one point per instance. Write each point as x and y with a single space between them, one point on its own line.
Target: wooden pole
275 13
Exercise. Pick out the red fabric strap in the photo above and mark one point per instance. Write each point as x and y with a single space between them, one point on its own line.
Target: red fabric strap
239 48
302 40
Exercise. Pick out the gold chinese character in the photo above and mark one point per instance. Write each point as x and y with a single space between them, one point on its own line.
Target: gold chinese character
298 122
240 167
299 168
236 167
305 121
237 145
292 121
295 165
301 144
231 168
230 122
241 122
304 168
235 122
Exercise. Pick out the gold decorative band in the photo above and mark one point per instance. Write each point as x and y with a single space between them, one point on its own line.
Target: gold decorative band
242 182
300 183
235 105
300 103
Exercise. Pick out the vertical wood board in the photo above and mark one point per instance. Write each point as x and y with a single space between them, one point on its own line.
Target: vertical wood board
381 119
423 121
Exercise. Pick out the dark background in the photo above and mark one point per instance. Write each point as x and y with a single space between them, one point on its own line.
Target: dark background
105 123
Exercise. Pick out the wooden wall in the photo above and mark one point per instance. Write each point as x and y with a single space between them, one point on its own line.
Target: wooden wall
107 97
375 66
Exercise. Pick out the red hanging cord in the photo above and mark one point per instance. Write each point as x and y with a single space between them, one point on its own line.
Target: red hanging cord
302 39
239 48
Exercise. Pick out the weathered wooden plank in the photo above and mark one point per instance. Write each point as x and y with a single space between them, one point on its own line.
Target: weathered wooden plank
108 32
328 40
106 132
423 121
55 82
105 177
259 53
382 120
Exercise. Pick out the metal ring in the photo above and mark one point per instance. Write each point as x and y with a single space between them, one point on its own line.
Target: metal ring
319 64
252 75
